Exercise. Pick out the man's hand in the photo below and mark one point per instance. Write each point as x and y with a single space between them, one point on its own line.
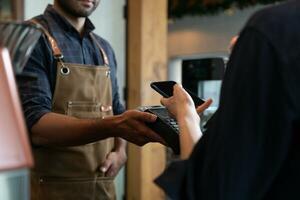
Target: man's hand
114 162
132 127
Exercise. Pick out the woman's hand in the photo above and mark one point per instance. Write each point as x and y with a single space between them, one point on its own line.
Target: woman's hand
200 109
181 104
182 107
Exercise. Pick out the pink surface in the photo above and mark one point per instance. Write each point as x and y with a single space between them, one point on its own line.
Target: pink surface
14 145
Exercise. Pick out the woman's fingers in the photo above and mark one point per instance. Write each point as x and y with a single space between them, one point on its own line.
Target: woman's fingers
204 106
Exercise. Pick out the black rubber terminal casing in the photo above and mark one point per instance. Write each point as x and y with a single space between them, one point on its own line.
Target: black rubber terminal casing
164 125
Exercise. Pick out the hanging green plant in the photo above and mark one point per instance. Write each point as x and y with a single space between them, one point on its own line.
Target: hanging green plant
180 8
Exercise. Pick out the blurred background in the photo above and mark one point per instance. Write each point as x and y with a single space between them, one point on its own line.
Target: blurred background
182 40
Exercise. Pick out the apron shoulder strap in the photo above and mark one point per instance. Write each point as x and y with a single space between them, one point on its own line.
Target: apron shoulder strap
55 49
105 58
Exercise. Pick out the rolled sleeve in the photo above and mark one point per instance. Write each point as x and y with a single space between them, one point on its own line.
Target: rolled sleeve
249 150
181 178
36 94
118 107
173 179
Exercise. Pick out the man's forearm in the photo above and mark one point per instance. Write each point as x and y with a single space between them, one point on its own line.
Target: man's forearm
61 130
120 144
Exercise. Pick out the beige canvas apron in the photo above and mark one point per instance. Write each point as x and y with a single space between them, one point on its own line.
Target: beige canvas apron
73 173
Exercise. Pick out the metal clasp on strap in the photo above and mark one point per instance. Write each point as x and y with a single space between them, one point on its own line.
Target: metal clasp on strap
53 44
64 70
108 73
105 108
59 57
105 57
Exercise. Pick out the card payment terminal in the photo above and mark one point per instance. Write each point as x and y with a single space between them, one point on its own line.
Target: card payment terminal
164 125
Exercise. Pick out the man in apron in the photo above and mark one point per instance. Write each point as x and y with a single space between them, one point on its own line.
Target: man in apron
69 108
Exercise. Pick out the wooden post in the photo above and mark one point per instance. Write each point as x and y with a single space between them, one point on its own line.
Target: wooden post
147 62
17 9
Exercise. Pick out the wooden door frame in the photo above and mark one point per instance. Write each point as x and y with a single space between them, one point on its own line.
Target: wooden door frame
146 62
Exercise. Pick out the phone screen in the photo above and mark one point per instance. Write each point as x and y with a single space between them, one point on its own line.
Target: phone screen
165 88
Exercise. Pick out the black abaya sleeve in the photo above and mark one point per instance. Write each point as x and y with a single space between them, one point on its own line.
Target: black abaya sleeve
249 142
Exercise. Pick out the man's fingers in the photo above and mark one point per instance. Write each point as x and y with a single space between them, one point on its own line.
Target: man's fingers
157 138
145 116
149 135
143 132
111 172
105 165
204 106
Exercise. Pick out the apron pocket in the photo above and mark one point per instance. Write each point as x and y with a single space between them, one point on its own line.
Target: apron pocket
105 189
76 189
83 109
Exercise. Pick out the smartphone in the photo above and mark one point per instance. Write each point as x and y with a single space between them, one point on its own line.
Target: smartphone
165 88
